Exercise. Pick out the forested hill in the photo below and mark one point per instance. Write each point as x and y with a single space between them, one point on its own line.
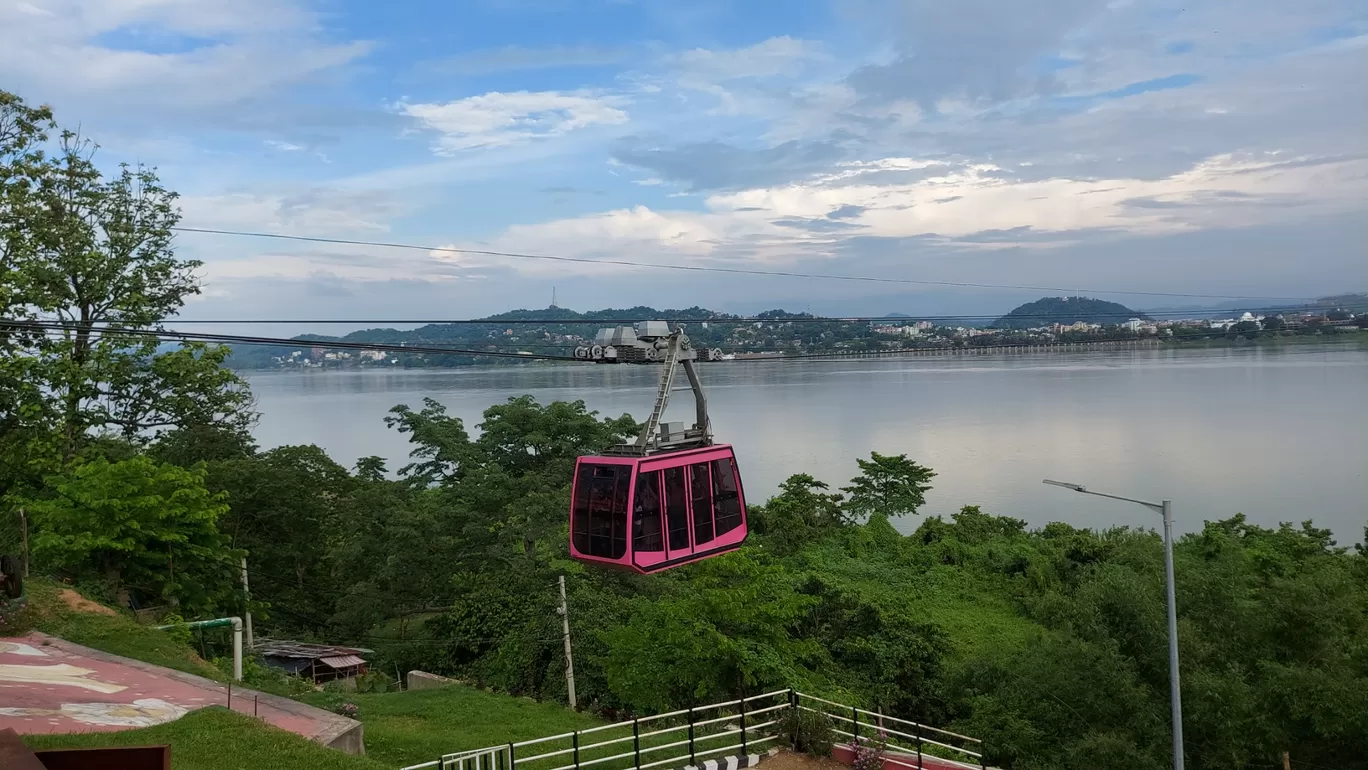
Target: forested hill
537 331
1066 310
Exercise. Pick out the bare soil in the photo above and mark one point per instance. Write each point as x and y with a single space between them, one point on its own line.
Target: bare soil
789 760
81 604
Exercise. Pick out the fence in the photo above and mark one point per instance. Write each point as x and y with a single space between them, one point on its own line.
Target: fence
905 742
739 726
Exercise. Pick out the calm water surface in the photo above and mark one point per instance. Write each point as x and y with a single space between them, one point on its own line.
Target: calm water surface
1280 435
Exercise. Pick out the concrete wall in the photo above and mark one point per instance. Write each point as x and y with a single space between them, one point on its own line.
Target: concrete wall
422 680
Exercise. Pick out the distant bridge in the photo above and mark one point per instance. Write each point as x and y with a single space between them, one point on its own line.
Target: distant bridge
969 350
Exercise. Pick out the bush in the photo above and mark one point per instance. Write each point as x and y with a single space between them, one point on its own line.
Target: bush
869 754
182 634
807 731
373 681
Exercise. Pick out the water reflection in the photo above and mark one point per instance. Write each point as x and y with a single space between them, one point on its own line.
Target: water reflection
1276 434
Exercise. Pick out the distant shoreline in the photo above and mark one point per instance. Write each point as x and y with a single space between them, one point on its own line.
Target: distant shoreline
1348 338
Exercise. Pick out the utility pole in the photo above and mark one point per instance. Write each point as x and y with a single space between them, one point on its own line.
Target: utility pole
1164 509
564 612
248 593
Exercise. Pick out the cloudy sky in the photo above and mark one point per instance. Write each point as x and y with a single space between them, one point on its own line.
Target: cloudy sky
1189 146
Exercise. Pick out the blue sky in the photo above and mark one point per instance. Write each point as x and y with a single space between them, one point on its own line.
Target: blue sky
1214 146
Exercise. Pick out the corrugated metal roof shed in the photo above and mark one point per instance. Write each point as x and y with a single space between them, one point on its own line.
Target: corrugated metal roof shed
343 661
289 649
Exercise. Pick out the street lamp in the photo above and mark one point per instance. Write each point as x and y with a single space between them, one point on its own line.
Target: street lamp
1164 509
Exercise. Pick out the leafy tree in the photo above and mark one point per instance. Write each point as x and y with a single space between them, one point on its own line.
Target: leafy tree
724 634
889 484
1273 323
148 528
95 255
516 476
285 509
801 513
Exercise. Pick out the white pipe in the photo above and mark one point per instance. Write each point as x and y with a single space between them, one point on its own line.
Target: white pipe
236 623
237 649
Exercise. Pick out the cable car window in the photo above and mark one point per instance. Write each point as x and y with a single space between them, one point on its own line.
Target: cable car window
701 484
726 496
676 509
601 510
647 534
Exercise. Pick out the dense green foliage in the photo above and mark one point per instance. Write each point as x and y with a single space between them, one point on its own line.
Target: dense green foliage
1066 310
142 485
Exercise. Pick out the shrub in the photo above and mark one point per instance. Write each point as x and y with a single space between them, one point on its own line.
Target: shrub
807 731
869 754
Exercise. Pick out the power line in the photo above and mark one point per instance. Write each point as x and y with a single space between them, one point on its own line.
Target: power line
705 269
1182 313
236 339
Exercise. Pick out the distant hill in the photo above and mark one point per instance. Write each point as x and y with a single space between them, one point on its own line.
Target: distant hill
1066 310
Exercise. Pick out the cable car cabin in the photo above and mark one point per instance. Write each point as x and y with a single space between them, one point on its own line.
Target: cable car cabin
658 511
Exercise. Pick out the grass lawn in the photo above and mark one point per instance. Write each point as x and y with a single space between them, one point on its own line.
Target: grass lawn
405 728
117 633
217 739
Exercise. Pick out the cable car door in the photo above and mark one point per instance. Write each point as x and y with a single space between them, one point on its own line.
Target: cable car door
678 536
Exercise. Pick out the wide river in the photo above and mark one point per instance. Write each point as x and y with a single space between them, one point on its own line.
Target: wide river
1277 434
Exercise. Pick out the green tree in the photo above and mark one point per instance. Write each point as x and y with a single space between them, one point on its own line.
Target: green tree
800 514
888 484
516 476
94 255
286 510
147 528
724 634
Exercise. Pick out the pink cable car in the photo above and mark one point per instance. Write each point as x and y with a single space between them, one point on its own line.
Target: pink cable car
673 497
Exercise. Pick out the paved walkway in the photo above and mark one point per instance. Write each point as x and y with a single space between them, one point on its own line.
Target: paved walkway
49 685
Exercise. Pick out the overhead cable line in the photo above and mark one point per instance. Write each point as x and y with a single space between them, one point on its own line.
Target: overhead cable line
501 322
708 269
237 339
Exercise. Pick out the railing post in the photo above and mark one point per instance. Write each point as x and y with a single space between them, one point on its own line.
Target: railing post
743 726
793 706
919 747
692 760
512 759
855 722
636 742
574 742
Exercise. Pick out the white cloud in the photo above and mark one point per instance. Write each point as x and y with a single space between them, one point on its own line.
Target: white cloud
175 54
498 119
317 211
967 206
769 58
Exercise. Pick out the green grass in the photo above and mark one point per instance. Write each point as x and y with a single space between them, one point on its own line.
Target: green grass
119 634
217 739
404 728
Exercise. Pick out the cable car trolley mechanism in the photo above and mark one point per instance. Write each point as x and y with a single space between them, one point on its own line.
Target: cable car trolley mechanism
671 497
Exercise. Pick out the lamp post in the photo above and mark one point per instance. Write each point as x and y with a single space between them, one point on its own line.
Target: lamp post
1164 509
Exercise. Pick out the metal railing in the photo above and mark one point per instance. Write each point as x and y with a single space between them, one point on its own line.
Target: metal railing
739 726
906 742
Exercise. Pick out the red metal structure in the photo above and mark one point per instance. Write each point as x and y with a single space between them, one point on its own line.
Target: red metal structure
673 497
